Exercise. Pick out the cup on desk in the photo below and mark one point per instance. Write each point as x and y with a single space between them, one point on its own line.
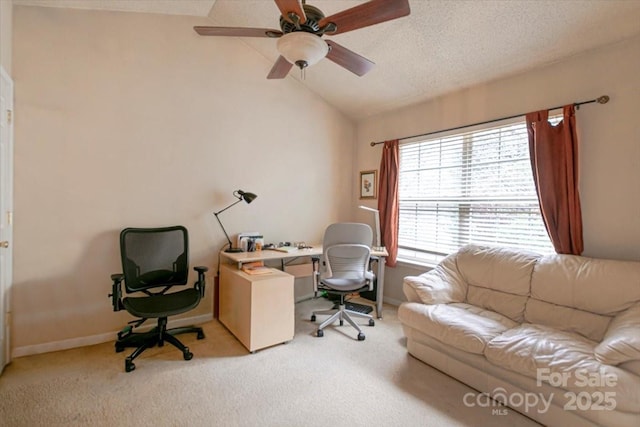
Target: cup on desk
251 245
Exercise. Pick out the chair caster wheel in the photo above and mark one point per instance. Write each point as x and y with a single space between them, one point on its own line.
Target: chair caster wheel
313 317
119 349
320 333
341 322
360 336
187 355
129 366
372 322
200 335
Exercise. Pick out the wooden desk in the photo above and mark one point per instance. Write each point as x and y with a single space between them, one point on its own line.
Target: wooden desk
315 251
270 255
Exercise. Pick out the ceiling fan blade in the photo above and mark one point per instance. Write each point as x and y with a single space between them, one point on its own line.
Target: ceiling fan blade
370 13
237 32
280 69
288 6
348 59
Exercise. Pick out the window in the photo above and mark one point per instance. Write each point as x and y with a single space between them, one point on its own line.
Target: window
472 187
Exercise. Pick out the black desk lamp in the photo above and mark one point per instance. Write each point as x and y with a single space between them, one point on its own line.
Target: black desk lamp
240 195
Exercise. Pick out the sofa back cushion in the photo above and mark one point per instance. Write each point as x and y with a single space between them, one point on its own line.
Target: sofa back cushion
498 278
580 294
442 285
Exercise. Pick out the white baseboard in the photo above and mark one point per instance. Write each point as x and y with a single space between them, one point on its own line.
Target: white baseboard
392 301
29 350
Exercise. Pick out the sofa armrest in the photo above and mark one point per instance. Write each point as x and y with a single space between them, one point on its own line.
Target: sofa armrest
442 285
621 342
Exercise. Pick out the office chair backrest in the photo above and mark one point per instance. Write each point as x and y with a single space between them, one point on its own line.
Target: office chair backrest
154 257
346 249
348 232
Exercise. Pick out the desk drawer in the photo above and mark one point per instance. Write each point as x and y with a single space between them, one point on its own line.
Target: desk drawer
299 270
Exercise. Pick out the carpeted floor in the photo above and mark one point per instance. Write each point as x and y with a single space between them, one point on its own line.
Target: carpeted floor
330 381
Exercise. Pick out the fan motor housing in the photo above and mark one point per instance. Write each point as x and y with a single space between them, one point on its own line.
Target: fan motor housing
311 25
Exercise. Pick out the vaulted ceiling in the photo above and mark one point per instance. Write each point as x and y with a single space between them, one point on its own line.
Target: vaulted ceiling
442 46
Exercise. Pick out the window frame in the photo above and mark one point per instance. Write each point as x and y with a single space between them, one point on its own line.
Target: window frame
412 255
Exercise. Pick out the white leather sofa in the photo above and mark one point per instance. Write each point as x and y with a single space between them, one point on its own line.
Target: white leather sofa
555 337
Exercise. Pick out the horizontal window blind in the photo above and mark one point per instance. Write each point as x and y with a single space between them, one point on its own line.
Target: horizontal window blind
473 187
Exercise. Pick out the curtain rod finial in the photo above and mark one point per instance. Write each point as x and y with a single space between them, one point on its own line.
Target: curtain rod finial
603 99
373 144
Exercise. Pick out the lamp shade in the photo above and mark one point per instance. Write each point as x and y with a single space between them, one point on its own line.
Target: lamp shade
246 196
376 217
302 48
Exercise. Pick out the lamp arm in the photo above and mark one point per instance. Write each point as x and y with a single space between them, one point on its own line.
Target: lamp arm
222 226
232 204
240 195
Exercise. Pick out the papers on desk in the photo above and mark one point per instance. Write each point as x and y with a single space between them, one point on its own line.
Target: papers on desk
286 249
256 268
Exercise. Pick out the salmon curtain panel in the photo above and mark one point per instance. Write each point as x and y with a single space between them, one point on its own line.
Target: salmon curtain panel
554 162
388 199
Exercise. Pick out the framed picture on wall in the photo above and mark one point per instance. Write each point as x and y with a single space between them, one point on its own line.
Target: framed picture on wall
368 184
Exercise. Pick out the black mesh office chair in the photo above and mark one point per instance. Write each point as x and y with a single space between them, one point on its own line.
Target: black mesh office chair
155 260
344 269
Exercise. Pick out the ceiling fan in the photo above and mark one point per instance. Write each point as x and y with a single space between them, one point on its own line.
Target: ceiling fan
302 27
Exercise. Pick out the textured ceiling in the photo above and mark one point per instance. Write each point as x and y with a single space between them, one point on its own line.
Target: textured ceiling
169 7
444 45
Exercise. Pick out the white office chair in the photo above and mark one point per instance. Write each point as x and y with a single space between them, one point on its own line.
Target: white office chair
344 269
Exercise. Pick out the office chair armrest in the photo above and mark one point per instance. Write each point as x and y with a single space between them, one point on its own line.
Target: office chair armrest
116 291
371 278
200 284
315 262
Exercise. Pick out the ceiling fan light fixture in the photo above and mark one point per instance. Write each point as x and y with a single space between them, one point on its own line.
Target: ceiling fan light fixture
302 49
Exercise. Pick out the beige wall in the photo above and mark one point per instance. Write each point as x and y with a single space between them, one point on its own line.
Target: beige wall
609 137
135 120
6 12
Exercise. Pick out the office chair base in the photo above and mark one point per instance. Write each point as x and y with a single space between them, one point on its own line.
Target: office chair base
341 314
156 336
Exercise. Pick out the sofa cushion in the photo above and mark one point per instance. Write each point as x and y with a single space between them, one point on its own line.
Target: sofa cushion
590 325
498 278
621 343
443 284
528 347
565 360
633 367
507 304
459 325
599 286
588 291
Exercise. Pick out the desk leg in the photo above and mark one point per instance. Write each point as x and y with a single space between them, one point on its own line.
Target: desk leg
216 296
380 287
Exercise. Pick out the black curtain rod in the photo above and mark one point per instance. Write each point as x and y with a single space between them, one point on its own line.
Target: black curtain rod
600 100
